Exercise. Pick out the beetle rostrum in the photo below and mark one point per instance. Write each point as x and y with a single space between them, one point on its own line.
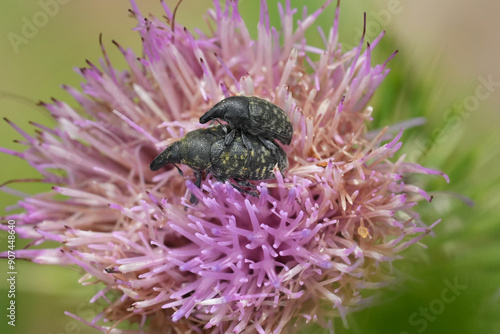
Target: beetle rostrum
255 116
206 150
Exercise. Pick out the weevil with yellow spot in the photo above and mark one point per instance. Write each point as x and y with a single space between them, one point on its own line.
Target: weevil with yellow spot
206 150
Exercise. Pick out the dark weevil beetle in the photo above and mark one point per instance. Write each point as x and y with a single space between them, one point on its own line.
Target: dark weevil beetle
206 150
255 116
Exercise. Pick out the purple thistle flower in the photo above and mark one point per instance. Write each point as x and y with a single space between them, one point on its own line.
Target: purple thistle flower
303 251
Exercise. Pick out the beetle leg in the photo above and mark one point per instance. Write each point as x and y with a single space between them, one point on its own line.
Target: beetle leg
229 137
193 200
223 180
179 170
246 141
268 143
237 188
216 120
245 183
197 182
215 152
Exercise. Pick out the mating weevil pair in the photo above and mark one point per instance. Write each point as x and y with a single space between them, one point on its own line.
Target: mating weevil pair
251 155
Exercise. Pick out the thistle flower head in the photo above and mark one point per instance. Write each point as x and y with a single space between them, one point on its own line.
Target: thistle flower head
305 250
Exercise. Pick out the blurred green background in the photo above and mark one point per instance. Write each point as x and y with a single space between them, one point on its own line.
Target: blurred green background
448 49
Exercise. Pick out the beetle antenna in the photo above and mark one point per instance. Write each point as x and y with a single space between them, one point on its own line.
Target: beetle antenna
179 170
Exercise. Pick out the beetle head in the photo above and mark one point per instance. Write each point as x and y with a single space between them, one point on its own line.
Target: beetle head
217 111
233 110
236 111
171 155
